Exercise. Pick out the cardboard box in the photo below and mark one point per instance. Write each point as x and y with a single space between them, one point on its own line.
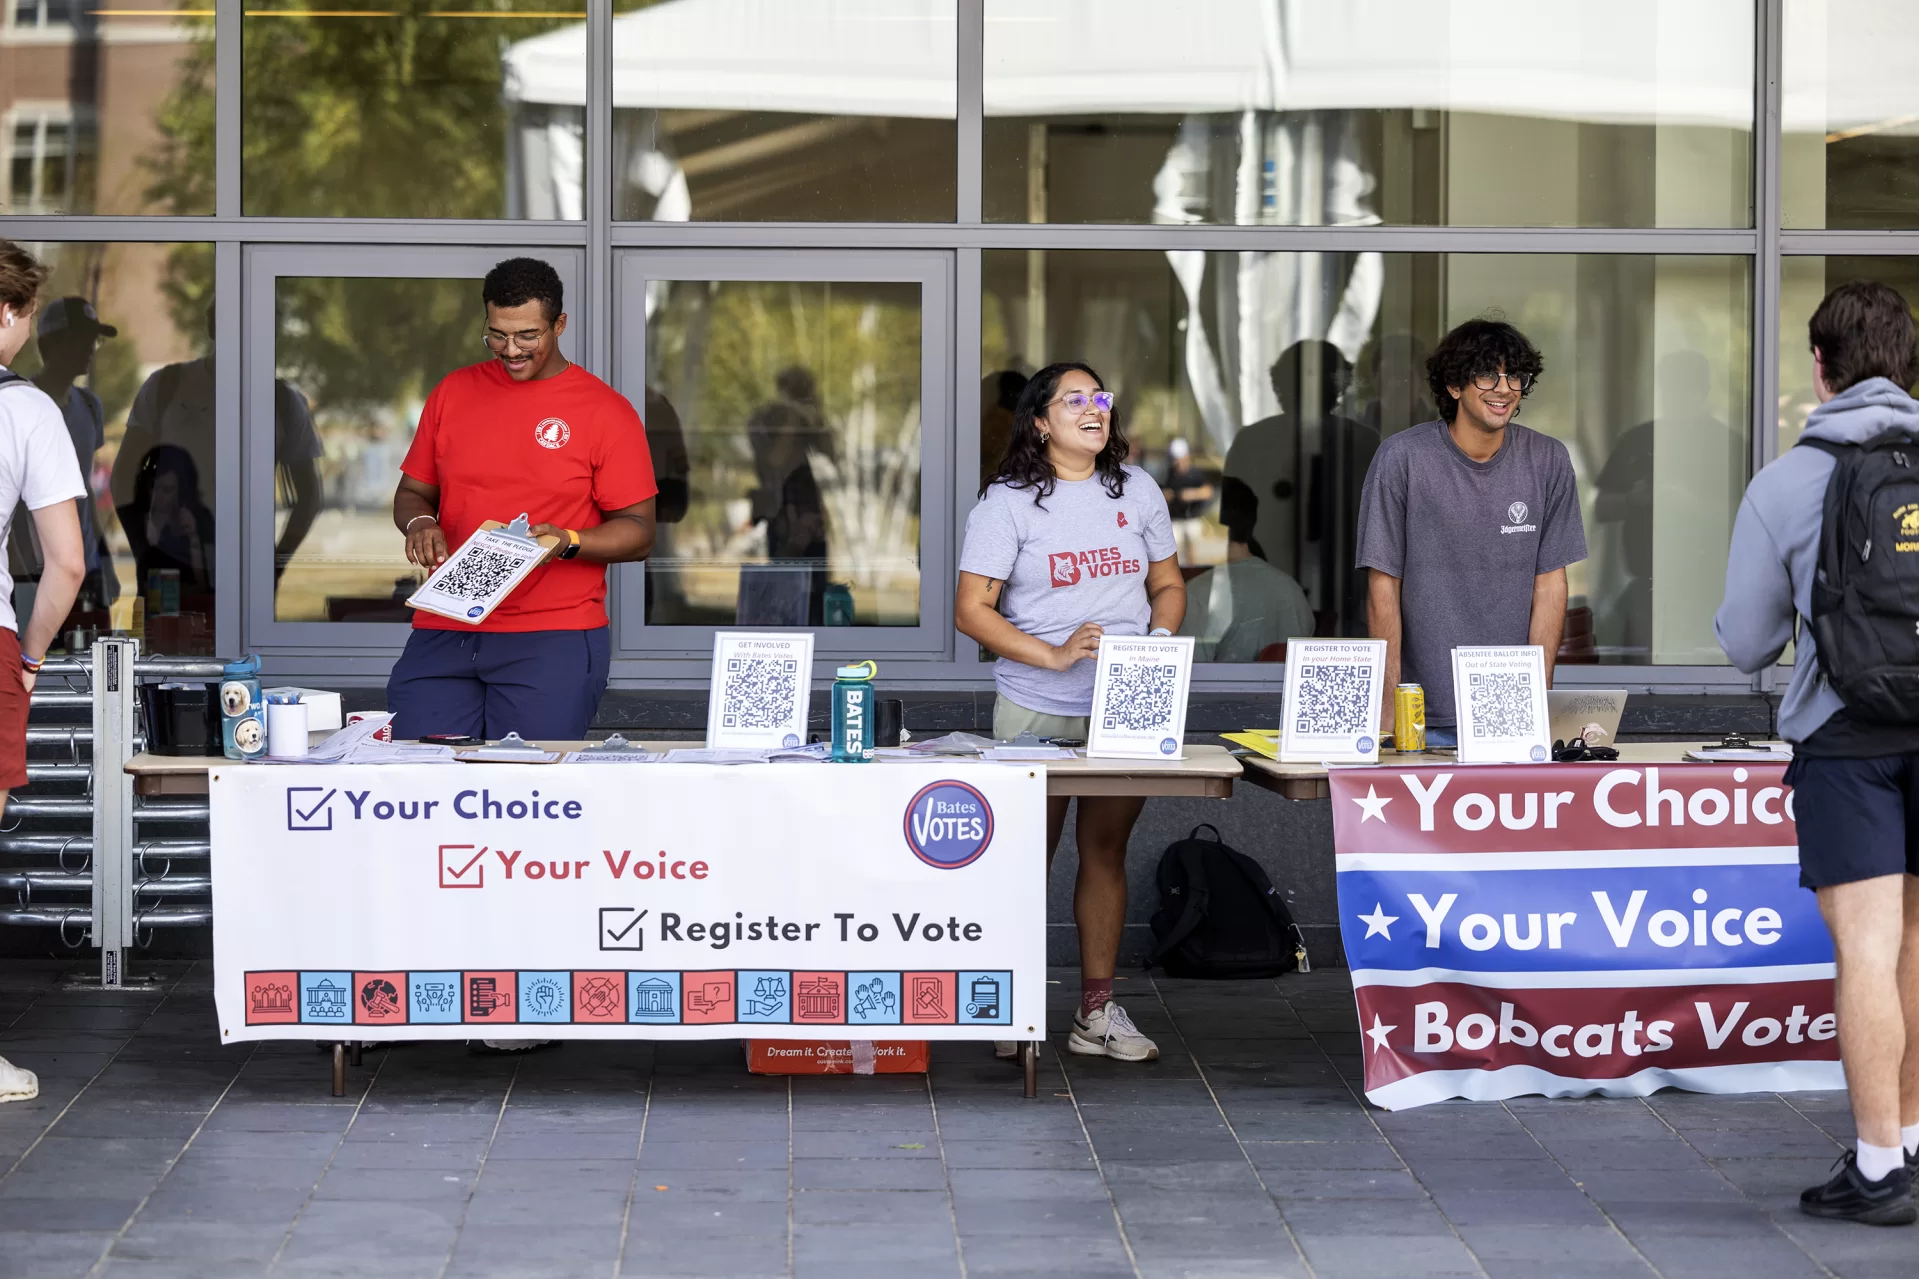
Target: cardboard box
833 1056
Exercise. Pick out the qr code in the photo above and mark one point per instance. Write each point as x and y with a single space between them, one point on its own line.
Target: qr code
760 691
1140 698
478 573
1501 703
1334 701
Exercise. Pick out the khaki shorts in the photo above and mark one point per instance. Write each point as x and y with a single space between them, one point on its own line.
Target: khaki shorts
1011 719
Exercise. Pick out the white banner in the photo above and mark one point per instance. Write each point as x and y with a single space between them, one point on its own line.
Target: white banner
776 901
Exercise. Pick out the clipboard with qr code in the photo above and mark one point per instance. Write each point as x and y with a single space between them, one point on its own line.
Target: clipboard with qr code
484 571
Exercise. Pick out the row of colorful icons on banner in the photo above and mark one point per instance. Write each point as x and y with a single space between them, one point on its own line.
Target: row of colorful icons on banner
747 996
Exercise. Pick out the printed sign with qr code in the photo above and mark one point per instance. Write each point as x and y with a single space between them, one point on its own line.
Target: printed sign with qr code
1139 697
478 576
761 689
1334 690
1500 698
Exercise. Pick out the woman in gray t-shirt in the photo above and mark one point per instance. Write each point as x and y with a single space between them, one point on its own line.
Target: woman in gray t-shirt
1067 544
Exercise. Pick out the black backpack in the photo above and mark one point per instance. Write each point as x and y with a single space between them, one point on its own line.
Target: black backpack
1865 594
1219 916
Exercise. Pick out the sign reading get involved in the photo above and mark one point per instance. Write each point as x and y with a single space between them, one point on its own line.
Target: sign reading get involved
1584 928
690 901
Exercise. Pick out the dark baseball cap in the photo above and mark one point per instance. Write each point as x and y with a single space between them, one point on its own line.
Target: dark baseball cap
72 313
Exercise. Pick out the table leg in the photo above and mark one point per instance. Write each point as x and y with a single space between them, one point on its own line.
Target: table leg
339 1070
357 1047
1029 1058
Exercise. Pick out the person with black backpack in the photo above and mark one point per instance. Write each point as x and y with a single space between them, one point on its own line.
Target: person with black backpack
1826 548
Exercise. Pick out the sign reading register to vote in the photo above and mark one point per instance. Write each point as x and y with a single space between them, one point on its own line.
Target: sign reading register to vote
1570 929
688 901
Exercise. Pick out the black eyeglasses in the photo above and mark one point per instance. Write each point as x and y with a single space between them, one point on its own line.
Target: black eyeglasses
1521 382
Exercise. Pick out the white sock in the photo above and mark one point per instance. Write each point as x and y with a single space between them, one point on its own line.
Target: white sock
1909 1138
1875 1162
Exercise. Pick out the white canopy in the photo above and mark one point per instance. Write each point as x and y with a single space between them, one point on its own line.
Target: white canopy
1628 61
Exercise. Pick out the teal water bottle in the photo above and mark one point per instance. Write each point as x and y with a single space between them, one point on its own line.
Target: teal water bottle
853 713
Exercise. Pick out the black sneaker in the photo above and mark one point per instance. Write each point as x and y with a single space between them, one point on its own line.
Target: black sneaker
1850 1197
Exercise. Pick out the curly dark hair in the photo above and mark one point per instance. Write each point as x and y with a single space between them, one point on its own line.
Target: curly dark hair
517 281
1026 465
1476 347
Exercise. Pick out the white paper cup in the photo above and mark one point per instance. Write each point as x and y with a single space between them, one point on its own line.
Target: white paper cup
286 730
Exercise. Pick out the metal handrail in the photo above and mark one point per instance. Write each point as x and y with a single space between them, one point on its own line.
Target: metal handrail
183 667
59 772
45 844
50 806
78 698
37 881
172 812
81 917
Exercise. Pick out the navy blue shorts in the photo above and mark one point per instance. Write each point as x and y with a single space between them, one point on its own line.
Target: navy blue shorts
543 685
1857 818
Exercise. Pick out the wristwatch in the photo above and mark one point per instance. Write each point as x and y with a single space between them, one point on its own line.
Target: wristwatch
572 547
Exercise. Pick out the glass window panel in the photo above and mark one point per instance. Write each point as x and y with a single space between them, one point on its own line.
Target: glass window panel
1604 113
129 397
106 109
1257 386
409 110
343 422
801 111
798 414
1849 151
1804 282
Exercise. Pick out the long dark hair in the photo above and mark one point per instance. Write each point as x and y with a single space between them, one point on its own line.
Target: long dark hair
1026 465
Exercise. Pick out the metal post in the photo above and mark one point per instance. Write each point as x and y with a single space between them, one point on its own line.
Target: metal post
113 805
1029 1058
339 1070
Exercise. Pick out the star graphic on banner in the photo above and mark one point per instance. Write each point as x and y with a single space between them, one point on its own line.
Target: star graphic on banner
1377 1033
1373 804
1379 923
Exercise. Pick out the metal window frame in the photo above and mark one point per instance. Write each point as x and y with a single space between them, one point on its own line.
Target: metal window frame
691 646
597 243
254 499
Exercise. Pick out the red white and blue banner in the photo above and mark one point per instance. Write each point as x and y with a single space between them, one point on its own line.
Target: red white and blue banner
1572 929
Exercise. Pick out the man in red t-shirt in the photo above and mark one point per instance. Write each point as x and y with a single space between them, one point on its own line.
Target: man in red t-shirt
523 432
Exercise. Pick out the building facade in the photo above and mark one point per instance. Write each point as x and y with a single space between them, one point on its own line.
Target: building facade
820 243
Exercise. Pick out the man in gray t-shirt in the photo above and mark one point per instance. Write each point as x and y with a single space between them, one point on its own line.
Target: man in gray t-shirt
1468 523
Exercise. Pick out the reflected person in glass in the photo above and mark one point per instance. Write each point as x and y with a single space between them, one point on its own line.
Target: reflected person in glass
1239 609
1069 543
175 407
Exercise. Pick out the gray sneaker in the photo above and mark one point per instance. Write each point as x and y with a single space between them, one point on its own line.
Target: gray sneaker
1109 1032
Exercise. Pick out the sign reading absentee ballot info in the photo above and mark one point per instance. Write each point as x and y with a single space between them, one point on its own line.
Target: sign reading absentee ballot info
691 901
1580 929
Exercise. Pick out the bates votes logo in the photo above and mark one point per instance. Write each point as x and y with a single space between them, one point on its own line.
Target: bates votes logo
948 825
553 433
1065 568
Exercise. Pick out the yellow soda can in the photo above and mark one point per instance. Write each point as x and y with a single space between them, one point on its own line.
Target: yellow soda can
1409 717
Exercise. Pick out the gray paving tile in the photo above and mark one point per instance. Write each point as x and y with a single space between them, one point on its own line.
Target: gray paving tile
54 1255
1015 1153
869 1174
918 1210
158 1239
65 1212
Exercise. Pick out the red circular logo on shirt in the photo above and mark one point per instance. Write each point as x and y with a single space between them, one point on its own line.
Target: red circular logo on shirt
553 433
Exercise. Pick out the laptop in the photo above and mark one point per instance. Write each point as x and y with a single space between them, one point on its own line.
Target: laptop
1570 710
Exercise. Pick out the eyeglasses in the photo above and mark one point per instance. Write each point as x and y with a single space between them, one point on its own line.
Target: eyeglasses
1078 400
1521 382
497 341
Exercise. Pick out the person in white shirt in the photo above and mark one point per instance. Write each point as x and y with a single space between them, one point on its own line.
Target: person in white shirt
37 469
